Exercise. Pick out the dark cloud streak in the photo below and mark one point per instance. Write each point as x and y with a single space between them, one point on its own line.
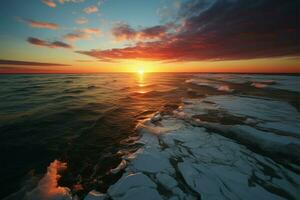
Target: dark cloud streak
43 43
28 63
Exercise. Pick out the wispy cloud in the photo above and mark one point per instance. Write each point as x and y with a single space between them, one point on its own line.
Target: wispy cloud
28 63
219 30
70 1
49 3
91 9
43 43
39 24
82 20
168 10
52 3
92 31
80 34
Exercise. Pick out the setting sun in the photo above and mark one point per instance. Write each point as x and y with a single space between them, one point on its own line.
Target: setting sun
141 71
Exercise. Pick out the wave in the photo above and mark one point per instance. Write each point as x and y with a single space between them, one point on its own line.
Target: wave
91 87
73 91
209 83
152 93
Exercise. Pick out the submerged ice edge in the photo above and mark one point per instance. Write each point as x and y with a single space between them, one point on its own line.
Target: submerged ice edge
184 157
277 82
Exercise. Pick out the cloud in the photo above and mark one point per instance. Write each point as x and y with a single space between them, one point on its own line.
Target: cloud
52 4
82 20
76 36
70 1
122 31
82 34
91 9
85 60
28 70
219 30
92 31
39 24
28 63
43 43
49 3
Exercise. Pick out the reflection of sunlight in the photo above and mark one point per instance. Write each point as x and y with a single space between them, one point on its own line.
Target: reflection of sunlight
141 82
141 77
142 92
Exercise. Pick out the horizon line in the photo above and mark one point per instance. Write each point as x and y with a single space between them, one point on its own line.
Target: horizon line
133 72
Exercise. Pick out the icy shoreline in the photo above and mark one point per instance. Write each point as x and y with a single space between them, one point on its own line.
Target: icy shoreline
186 156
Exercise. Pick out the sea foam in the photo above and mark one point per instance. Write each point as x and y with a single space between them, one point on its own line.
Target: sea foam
48 188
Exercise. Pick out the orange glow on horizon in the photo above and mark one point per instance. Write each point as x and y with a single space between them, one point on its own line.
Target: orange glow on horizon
267 65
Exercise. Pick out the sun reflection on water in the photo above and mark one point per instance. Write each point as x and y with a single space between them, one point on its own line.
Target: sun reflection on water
141 81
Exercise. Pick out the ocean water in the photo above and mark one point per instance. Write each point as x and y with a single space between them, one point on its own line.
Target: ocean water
101 128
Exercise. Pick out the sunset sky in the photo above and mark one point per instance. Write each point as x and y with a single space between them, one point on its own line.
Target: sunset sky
86 36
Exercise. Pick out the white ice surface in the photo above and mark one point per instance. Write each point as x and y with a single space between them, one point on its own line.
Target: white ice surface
128 182
272 114
190 162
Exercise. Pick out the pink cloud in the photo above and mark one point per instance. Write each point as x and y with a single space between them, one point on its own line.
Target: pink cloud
39 24
92 30
91 9
49 3
82 20
70 1
82 34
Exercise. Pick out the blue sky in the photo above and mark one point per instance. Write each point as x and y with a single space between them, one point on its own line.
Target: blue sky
132 12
